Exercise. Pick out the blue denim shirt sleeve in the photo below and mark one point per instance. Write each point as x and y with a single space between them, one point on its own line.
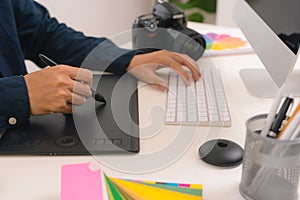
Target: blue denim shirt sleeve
14 104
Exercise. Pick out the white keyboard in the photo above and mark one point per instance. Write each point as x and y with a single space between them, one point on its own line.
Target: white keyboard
203 103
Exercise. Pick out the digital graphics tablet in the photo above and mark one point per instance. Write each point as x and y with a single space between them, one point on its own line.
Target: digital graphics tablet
93 128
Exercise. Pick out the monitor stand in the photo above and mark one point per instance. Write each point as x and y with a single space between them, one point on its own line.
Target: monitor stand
259 83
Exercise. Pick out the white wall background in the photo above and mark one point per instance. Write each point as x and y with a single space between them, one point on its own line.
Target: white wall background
110 17
224 13
98 17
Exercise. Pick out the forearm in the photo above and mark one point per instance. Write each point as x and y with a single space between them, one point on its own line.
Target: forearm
108 57
14 102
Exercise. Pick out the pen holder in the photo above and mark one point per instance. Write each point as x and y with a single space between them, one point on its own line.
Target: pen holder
271 167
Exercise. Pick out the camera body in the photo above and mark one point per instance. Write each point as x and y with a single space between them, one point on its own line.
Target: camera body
166 28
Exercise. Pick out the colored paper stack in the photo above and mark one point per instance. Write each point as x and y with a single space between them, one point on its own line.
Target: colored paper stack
81 181
225 42
120 189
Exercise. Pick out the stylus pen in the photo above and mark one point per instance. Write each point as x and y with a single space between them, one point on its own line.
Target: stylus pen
272 113
275 128
96 95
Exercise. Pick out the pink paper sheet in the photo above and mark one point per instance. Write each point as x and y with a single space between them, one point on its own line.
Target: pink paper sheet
79 182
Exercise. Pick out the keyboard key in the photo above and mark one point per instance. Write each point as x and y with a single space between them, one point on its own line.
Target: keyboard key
202 103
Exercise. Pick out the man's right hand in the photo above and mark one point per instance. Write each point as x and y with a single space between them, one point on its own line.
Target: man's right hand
57 88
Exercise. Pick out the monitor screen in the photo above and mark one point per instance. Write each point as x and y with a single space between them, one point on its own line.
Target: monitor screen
282 16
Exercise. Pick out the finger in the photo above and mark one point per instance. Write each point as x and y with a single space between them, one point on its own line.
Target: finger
77 99
80 74
146 73
178 68
64 107
189 59
82 89
158 82
189 63
68 108
159 86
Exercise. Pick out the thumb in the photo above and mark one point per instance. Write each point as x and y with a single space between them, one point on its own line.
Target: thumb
157 81
147 74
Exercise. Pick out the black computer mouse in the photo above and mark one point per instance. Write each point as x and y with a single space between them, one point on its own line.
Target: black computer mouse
221 152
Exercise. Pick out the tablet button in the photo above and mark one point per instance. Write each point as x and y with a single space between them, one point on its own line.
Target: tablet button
117 141
99 141
67 141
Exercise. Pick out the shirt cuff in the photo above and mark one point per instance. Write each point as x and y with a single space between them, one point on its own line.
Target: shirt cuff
14 102
120 64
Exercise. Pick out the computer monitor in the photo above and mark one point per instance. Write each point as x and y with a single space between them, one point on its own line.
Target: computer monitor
272 27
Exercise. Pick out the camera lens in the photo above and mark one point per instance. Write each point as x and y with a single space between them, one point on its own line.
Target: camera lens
188 42
194 47
191 46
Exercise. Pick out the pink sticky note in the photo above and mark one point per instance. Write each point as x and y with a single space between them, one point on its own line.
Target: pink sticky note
79 182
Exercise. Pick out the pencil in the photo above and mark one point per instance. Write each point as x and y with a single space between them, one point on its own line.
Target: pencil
289 121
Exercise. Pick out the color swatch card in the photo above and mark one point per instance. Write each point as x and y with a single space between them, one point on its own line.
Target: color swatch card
226 42
147 190
82 182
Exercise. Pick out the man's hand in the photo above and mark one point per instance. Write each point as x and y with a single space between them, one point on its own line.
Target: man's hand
57 88
144 67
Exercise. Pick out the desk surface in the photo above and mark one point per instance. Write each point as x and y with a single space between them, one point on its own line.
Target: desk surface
38 177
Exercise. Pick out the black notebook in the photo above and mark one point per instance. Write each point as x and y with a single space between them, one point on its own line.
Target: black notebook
93 128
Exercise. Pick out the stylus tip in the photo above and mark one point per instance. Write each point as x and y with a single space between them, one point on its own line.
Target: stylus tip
98 97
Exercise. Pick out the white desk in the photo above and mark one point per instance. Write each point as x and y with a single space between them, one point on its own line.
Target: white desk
38 177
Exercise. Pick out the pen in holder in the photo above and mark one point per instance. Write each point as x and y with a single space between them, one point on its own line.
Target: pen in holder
271 167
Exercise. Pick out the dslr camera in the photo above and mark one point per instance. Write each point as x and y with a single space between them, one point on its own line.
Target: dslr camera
166 28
